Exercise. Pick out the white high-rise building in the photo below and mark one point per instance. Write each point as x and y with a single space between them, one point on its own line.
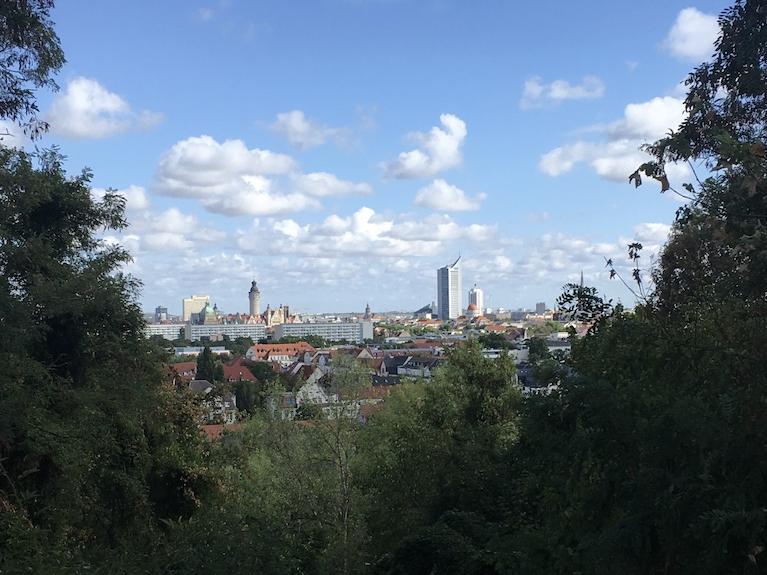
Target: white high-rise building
449 291
192 305
477 297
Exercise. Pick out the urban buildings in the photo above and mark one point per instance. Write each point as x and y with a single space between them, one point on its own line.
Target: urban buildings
195 332
449 291
193 305
477 297
354 332
169 331
540 308
160 314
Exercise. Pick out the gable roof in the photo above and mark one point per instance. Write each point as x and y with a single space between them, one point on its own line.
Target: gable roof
236 370
264 350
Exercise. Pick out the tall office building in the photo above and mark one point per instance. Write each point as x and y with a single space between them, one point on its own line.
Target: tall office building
449 291
254 297
160 314
477 297
193 305
540 308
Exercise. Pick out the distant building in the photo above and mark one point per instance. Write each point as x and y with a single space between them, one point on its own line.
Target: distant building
169 331
160 314
477 297
449 291
193 305
254 298
368 316
354 332
197 350
540 308
195 332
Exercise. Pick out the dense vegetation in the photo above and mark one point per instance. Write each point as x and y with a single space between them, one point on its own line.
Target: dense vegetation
649 458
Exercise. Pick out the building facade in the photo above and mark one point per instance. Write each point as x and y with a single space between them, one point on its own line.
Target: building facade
169 331
477 297
540 308
449 291
195 332
160 314
354 332
193 305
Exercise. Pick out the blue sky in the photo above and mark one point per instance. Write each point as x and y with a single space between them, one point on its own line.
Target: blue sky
339 151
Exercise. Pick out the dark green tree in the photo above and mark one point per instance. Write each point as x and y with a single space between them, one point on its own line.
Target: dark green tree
93 447
30 55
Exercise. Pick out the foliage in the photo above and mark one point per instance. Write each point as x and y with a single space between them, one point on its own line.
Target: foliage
208 366
538 350
94 450
493 340
449 439
30 55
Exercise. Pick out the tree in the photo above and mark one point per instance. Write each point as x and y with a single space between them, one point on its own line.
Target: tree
30 55
93 446
206 365
537 350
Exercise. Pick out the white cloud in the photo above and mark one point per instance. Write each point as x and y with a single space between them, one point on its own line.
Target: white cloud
230 179
85 109
135 197
362 234
693 35
201 167
438 150
618 154
304 133
322 184
440 195
536 93
653 233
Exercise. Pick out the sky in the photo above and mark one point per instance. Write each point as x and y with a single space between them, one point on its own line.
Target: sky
340 151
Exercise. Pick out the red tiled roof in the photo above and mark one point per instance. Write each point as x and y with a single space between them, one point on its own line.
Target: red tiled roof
235 370
262 350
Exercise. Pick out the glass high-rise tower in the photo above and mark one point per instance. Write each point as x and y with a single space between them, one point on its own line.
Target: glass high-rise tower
449 291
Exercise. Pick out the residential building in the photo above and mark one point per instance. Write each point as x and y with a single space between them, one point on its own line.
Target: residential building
193 305
540 308
354 332
449 291
169 331
255 331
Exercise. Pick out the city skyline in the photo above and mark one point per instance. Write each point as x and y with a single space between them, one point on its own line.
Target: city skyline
500 145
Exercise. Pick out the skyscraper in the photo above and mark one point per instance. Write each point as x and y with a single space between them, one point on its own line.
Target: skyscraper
477 297
540 308
254 297
193 305
449 291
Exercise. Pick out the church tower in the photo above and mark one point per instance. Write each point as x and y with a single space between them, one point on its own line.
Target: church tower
254 297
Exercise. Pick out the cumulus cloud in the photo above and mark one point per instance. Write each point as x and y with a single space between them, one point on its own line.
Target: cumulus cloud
440 195
437 151
136 199
364 233
617 153
85 109
693 35
653 233
322 184
231 179
304 133
536 93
